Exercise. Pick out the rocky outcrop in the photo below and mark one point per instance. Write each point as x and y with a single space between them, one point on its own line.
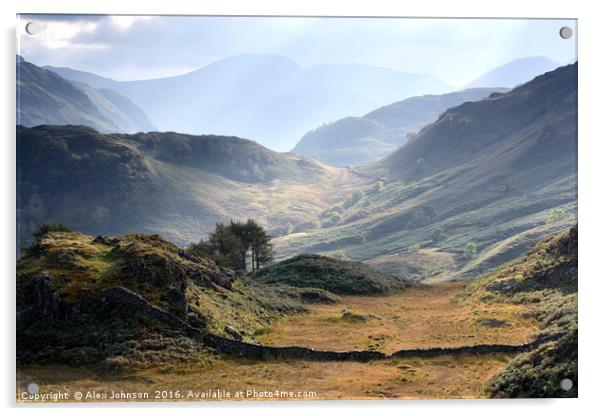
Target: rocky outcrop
122 300
232 332
44 302
152 261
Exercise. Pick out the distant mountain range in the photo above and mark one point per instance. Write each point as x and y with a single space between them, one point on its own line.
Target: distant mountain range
355 140
515 72
267 98
44 97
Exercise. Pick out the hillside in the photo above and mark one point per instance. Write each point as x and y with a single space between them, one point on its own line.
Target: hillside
471 191
545 279
174 184
265 97
83 300
514 73
44 97
357 140
337 276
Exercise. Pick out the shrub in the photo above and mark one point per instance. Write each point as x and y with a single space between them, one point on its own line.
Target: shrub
555 215
439 235
470 250
44 229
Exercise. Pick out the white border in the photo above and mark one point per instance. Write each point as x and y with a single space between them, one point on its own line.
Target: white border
590 161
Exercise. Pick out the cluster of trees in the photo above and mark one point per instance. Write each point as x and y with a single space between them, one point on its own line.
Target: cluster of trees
237 244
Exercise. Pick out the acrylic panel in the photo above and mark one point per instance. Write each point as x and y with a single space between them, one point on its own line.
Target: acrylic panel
295 208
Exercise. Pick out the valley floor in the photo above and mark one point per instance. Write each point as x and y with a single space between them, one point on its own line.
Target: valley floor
421 317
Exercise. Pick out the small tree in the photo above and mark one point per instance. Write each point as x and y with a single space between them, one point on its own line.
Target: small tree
229 245
439 235
470 250
555 215
226 247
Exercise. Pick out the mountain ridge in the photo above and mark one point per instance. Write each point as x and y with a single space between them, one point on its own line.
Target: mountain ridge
269 98
357 140
45 97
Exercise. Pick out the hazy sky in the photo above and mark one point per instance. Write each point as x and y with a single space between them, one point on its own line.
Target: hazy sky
137 47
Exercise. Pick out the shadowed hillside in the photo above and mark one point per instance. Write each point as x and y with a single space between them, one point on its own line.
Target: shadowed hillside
472 190
44 97
179 185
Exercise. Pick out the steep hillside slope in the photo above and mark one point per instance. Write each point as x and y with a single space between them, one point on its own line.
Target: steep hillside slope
44 97
469 192
514 73
265 97
545 279
356 140
178 185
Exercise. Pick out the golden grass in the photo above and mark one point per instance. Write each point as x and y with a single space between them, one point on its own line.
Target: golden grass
419 317
433 378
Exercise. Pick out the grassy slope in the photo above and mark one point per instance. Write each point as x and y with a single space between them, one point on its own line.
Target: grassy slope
193 288
545 280
337 276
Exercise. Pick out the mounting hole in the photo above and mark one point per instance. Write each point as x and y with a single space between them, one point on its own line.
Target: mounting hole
33 388
33 27
566 384
566 32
